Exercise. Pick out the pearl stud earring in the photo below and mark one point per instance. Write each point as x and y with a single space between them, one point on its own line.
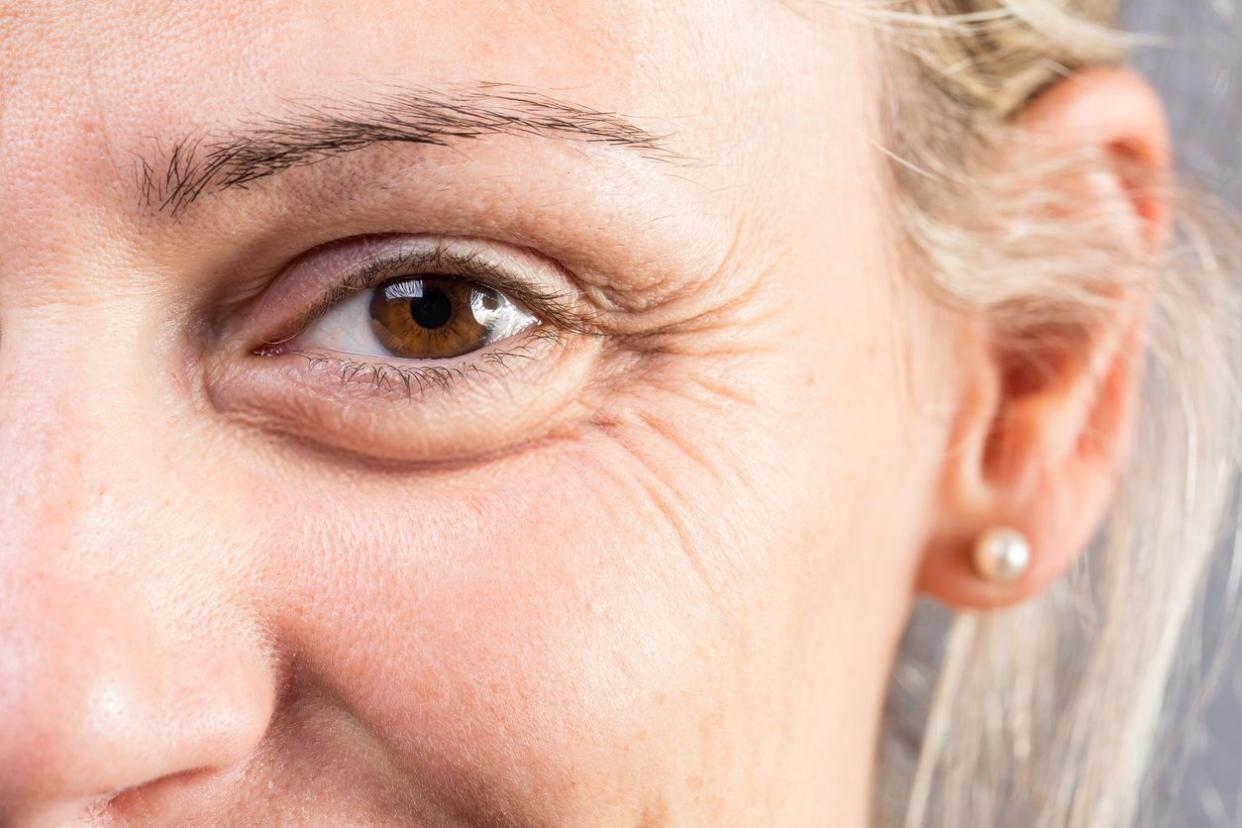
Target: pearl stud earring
1001 555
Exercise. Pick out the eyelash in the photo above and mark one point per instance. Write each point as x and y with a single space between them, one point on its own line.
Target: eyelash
413 380
557 316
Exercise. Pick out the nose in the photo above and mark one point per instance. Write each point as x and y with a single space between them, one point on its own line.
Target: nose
129 675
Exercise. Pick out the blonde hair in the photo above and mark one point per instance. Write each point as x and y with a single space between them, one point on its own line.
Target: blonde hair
1050 714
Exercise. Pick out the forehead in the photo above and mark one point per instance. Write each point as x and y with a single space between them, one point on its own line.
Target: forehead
186 46
134 72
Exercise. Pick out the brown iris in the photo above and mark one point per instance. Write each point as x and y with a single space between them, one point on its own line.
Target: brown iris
431 317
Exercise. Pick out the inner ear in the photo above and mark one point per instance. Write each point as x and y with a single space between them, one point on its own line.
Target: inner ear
1038 366
1038 357
1050 366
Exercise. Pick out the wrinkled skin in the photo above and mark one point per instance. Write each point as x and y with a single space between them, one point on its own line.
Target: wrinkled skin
652 575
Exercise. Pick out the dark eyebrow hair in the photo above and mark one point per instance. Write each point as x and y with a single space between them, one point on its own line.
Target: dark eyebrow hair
309 133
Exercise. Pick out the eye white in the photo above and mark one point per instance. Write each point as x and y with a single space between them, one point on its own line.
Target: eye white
347 328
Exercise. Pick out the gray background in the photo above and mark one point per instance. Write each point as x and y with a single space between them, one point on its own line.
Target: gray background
1198 67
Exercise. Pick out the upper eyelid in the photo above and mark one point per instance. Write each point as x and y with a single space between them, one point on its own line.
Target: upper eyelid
559 308
471 265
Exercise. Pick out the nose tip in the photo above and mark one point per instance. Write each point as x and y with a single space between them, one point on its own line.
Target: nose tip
96 700
126 654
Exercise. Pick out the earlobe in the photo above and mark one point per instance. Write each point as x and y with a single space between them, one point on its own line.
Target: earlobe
1044 416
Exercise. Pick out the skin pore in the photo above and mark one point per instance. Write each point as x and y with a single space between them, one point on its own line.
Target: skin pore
645 566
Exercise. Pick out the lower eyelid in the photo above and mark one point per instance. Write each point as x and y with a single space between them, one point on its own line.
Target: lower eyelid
363 406
358 365
414 378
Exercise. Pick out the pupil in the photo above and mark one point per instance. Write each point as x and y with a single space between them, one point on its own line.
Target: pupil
433 309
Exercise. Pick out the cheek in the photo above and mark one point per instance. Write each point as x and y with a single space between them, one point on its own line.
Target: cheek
543 624
656 609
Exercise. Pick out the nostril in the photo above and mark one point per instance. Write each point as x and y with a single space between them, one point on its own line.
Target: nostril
141 803
122 717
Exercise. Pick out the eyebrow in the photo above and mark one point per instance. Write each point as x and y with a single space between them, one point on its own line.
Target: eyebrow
309 133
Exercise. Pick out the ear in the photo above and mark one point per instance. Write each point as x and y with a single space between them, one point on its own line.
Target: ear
1039 436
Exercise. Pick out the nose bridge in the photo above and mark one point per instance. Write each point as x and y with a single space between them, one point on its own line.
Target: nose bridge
121 661
64 444
59 466
43 469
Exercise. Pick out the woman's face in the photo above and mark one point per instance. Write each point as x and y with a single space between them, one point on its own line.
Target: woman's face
441 413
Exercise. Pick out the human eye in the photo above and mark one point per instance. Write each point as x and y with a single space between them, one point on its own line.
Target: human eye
416 302
421 315
414 348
